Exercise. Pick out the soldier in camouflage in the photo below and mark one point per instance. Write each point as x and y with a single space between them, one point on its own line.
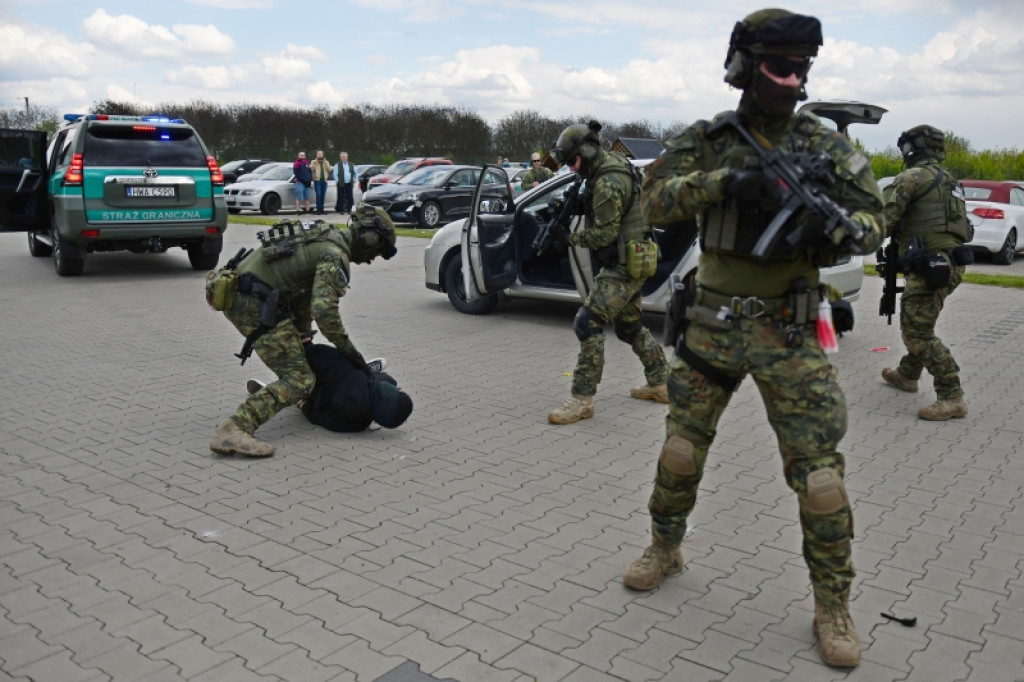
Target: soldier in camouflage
926 201
310 270
537 173
757 316
613 218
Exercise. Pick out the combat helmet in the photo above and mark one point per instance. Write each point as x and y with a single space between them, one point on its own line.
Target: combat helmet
766 33
922 142
578 140
373 233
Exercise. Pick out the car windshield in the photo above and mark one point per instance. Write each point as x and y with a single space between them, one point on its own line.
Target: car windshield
400 167
434 175
232 166
277 171
143 146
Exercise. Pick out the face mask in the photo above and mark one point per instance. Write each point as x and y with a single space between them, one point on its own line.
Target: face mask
773 99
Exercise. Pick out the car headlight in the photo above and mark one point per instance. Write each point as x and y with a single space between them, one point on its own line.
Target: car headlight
249 192
407 196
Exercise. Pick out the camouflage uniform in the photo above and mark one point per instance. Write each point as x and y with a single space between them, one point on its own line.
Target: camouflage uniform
616 297
280 349
917 192
805 405
538 174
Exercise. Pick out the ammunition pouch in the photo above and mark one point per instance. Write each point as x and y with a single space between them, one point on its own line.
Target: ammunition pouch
221 287
962 255
842 316
936 270
641 258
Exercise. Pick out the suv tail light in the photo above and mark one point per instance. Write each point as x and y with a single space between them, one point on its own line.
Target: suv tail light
215 175
73 175
991 213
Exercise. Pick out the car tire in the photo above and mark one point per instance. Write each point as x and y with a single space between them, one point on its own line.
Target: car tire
234 211
270 204
37 248
1005 254
430 215
65 267
200 260
456 288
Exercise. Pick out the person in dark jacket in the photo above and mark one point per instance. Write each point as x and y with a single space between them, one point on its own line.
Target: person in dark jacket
347 398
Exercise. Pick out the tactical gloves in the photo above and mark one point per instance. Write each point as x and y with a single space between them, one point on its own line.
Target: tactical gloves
752 190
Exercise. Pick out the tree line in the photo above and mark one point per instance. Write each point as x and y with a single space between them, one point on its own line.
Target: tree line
384 133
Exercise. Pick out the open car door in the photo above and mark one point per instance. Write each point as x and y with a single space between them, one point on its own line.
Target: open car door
488 242
23 181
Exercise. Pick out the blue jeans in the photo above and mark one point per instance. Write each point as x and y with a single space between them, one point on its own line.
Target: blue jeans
321 191
344 198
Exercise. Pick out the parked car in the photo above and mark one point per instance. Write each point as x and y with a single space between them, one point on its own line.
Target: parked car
256 173
996 209
436 194
515 177
232 169
112 183
404 167
505 264
365 171
273 190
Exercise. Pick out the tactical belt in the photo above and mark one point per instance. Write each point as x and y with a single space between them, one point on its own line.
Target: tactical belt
796 308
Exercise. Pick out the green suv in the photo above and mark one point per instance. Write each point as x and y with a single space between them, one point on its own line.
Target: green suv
113 183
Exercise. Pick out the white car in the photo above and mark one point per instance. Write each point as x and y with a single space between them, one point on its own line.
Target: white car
996 209
273 189
506 264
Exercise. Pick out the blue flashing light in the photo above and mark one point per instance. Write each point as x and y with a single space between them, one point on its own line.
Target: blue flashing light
164 136
70 118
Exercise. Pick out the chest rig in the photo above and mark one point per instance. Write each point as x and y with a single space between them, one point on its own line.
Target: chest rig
289 251
727 227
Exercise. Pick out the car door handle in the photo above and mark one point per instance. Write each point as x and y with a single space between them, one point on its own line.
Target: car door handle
25 175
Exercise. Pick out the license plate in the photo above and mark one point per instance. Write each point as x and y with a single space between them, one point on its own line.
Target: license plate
145 191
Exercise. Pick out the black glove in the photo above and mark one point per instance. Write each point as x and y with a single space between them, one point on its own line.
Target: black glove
753 190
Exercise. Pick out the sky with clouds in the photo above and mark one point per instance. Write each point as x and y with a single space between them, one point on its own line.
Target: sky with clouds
957 65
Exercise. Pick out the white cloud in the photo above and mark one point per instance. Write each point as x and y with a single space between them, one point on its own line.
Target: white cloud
235 4
284 69
31 51
303 52
134 36
205 77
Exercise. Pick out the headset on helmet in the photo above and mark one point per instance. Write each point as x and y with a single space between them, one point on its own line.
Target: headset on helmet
921 138
768 32
578 140
374 232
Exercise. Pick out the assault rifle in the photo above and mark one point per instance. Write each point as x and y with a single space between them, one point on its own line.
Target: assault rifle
887 264
804 178
560 225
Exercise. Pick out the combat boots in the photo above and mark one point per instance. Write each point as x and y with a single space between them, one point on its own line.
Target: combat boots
658 394
657 561
941 410
572 410
230 439
838 642
894 378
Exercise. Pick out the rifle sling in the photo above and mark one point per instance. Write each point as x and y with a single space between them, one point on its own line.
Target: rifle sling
710 372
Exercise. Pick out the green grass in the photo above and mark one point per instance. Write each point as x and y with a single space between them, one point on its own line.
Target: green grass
261 220
1008 281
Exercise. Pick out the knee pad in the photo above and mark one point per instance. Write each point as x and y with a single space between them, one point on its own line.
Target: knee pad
825 493
587 324
677 456
628 331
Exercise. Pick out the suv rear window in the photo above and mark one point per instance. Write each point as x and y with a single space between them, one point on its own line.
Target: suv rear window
143 146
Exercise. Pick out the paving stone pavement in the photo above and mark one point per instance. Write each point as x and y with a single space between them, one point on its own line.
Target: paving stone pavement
477 542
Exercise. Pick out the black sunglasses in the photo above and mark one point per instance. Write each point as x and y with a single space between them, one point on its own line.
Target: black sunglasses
784 67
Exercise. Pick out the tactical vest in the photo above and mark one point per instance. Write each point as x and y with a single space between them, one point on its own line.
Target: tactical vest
287 257
633 225
724 227
940 208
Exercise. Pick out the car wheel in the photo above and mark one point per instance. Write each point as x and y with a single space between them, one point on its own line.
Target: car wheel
37 248
234 211
200 260
456 288
430 215
270 204
65 267
1004 256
